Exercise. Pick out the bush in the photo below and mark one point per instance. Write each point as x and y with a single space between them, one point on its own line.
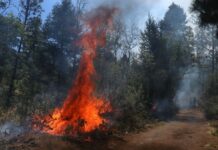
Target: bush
210 100
211 107
135 113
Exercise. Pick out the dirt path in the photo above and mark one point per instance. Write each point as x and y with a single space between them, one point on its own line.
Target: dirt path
189 131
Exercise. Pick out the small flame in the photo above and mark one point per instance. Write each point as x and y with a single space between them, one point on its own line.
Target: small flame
82 110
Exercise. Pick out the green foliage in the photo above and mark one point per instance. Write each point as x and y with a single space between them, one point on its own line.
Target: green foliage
135 85
165 51
136 107
206 45
206 11
64 20
210 100
44 57
133 104
42 66
211 107
9 30
61 32
174 20
4 4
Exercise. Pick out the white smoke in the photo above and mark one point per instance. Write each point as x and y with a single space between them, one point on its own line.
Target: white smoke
9 130
187 95
130 10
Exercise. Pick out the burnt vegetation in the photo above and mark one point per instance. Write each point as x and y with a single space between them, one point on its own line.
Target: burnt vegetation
138 71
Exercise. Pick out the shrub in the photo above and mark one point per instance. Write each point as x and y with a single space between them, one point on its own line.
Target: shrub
211 107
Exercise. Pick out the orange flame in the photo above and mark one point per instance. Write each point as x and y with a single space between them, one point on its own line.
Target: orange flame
82 110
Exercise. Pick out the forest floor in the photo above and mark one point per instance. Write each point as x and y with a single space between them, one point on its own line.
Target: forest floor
188 131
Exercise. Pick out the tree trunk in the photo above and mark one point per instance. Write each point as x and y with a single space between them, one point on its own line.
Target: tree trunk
213 51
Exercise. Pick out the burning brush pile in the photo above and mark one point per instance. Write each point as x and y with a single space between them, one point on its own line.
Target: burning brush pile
82 111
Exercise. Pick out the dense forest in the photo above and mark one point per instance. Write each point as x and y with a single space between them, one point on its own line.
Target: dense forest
139 71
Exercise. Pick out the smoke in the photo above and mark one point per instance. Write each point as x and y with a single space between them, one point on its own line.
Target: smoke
130 10
10 130
187 95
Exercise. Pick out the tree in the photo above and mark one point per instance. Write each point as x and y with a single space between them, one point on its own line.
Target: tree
165 52
149 37
149 53
206 46
179 36
62 29
207 11
4 5
30 10
174 21
9 31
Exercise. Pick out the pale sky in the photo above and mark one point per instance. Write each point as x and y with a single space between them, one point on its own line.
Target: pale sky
134 10
138 9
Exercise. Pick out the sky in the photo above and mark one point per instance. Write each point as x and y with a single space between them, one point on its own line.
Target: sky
136 10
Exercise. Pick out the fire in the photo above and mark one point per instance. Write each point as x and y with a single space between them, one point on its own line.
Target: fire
82 110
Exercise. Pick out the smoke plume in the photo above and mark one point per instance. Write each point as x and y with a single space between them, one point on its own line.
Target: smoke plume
130 10
188 92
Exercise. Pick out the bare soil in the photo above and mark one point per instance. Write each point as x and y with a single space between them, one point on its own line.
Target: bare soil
188 131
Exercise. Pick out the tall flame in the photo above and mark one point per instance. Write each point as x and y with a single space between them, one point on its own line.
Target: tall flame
82 110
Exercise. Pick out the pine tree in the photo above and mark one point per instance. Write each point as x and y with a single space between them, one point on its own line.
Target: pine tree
206 11
62 29
174 21
30 11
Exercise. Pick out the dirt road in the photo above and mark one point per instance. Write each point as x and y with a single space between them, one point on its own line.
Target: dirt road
188 131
